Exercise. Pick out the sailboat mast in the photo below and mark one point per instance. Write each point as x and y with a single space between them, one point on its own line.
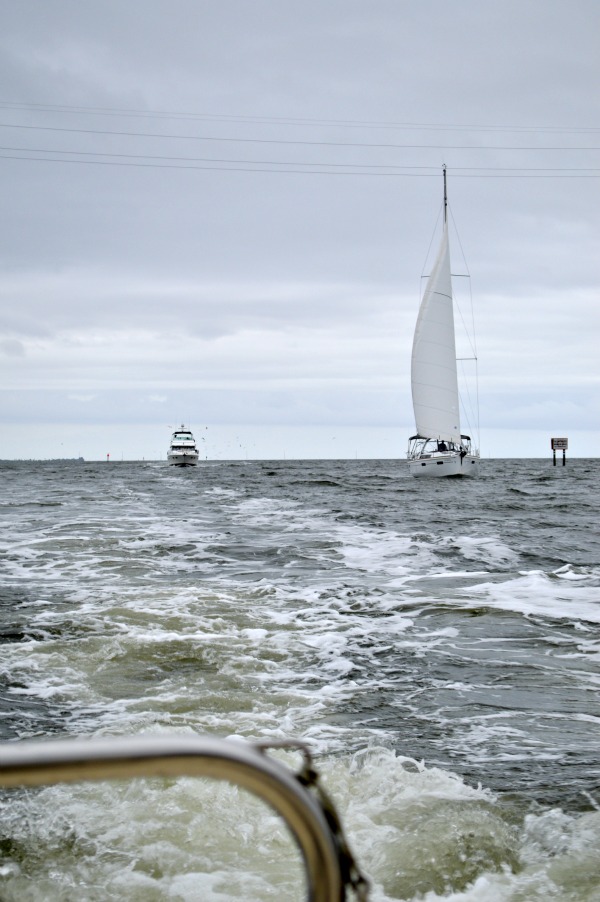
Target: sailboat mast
445 195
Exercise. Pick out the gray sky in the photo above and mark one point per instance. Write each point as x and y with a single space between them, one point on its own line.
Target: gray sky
218 213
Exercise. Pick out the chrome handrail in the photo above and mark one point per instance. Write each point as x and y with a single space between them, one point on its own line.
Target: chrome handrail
297 798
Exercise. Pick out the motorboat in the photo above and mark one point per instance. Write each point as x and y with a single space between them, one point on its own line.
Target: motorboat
182 450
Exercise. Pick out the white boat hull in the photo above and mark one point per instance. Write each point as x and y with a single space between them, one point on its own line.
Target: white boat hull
182 458
439 465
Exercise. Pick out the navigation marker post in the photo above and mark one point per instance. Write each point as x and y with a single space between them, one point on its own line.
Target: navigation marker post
559 444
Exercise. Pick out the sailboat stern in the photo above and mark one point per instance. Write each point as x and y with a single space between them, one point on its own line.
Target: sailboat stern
437 457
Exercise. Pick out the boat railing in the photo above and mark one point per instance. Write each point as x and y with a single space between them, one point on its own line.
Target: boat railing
420 448
297 797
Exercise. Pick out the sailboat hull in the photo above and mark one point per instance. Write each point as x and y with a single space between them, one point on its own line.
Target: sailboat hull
443 465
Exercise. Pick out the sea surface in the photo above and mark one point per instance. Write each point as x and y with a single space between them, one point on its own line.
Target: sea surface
436 643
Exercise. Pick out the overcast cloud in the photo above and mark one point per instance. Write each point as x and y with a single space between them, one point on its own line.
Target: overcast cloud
220 212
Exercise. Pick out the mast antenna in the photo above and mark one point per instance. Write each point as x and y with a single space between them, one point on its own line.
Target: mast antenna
445 195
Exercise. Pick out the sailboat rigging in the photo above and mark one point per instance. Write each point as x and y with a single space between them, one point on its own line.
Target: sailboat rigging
438 448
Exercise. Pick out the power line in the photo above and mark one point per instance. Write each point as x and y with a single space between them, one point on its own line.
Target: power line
393 166
289 120
265 168
212 138
136 156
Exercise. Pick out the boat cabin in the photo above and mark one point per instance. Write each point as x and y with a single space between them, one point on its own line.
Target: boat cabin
421 447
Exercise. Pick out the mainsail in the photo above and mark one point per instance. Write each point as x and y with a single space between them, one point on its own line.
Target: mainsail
433 370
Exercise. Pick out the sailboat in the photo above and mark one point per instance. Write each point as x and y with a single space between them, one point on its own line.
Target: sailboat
439 448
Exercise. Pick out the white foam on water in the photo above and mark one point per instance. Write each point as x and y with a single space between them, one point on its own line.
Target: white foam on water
270 618
151 840
486 549
418 832
557 595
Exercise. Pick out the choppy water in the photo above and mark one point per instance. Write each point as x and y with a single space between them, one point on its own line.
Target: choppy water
436 642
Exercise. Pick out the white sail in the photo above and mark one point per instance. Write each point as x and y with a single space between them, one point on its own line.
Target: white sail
433 370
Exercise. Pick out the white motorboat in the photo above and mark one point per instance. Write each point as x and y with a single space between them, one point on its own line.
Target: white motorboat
439 448
182 450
